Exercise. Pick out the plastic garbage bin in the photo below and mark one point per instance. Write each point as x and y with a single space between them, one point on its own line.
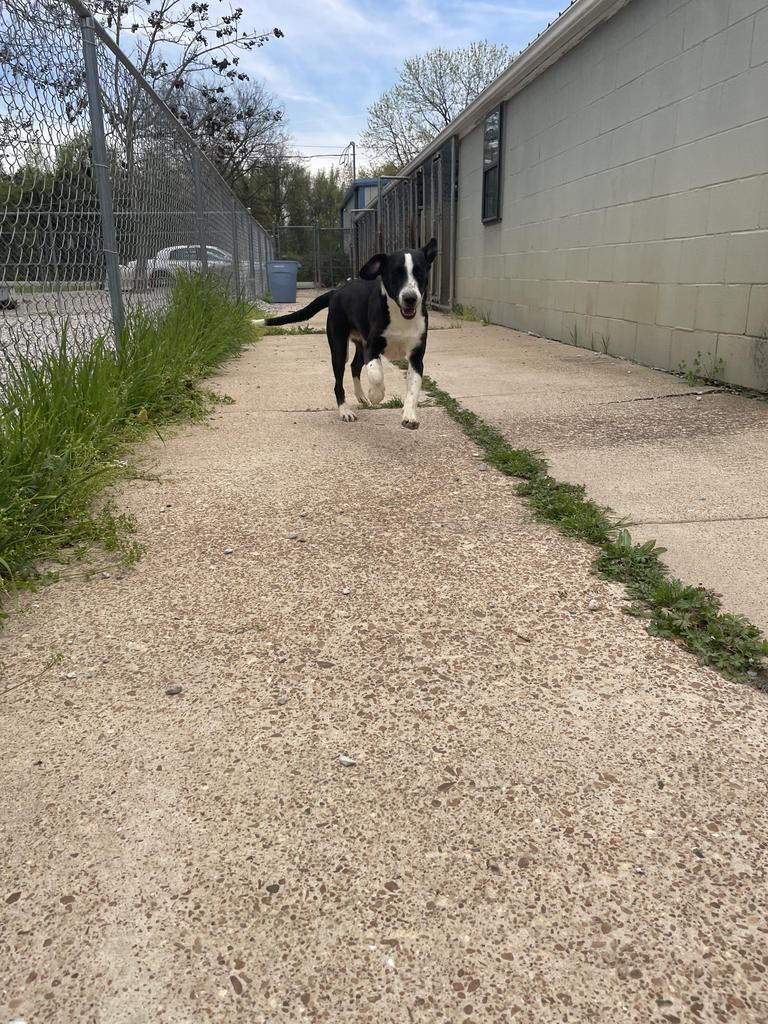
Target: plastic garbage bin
281 277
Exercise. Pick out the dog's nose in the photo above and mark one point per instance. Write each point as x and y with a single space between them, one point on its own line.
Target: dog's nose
410 298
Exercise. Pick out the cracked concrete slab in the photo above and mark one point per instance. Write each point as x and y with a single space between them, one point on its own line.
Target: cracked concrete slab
640 441
553 816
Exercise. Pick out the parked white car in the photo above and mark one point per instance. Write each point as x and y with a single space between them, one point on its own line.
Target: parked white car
167 264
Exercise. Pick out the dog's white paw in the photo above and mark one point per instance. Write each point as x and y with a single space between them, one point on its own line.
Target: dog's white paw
347 416
360 394
375 382
409 424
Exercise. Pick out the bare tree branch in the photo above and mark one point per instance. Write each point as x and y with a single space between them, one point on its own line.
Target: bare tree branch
431 91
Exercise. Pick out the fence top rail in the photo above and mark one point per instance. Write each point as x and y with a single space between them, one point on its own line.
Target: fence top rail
82 11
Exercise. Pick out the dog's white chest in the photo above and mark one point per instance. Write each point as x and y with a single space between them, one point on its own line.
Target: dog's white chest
401 335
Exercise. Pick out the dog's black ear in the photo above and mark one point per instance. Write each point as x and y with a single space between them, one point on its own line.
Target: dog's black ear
430 251
373 267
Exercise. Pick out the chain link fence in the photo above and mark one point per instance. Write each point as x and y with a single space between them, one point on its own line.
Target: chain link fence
104 197
325 254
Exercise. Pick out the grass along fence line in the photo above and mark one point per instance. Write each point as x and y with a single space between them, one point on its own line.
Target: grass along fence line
66 415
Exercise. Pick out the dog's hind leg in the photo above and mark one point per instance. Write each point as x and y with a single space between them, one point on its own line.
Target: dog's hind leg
338 339
357 365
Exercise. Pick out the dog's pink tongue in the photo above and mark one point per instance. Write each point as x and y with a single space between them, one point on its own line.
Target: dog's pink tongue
409 314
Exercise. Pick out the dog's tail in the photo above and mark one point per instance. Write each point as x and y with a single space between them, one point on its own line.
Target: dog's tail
321 302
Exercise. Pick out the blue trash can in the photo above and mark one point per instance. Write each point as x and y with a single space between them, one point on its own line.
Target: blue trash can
281 277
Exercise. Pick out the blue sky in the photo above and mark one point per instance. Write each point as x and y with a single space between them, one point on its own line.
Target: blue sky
338 56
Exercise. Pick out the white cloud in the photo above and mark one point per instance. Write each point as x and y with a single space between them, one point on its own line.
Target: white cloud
337 56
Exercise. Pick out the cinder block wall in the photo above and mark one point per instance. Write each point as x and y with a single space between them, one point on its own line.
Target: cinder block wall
635 193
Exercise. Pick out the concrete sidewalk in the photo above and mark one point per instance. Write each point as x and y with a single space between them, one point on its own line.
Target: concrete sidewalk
688 466
553 817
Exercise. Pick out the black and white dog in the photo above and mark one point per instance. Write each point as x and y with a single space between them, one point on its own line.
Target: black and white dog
383 313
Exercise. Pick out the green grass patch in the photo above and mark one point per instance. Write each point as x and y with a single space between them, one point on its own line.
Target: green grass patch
282 331
470 314
65 416
691 616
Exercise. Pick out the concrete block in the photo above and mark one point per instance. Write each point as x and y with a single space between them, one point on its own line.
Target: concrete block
735 206
738 153
747 260
535 319
553 265
631 61
619 336
636 180
586 298
658 131
575 330
577 263
563 296
727 53
762 217
699 115
722 308
605 187
553 323
648 262
610 300
686 214
687 345
601 262
649 219
596 154
743 9
617 225
679 77
600 79
744 98
624 145
677 306
653 346
745 359
757 317
703 260
760 40
640 302
704 19
665 38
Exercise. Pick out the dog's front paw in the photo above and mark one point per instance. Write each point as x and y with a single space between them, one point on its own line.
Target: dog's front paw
346 414
409 424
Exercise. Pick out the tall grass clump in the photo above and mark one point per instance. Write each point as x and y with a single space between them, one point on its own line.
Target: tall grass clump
65 414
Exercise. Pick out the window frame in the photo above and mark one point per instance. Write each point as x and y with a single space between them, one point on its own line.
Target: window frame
496 166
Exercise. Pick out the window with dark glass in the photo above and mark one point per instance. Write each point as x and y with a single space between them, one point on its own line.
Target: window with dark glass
492 167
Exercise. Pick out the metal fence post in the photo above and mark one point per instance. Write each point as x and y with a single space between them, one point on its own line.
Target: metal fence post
200 210
317 253
101 168
251 262
235 250
263 257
